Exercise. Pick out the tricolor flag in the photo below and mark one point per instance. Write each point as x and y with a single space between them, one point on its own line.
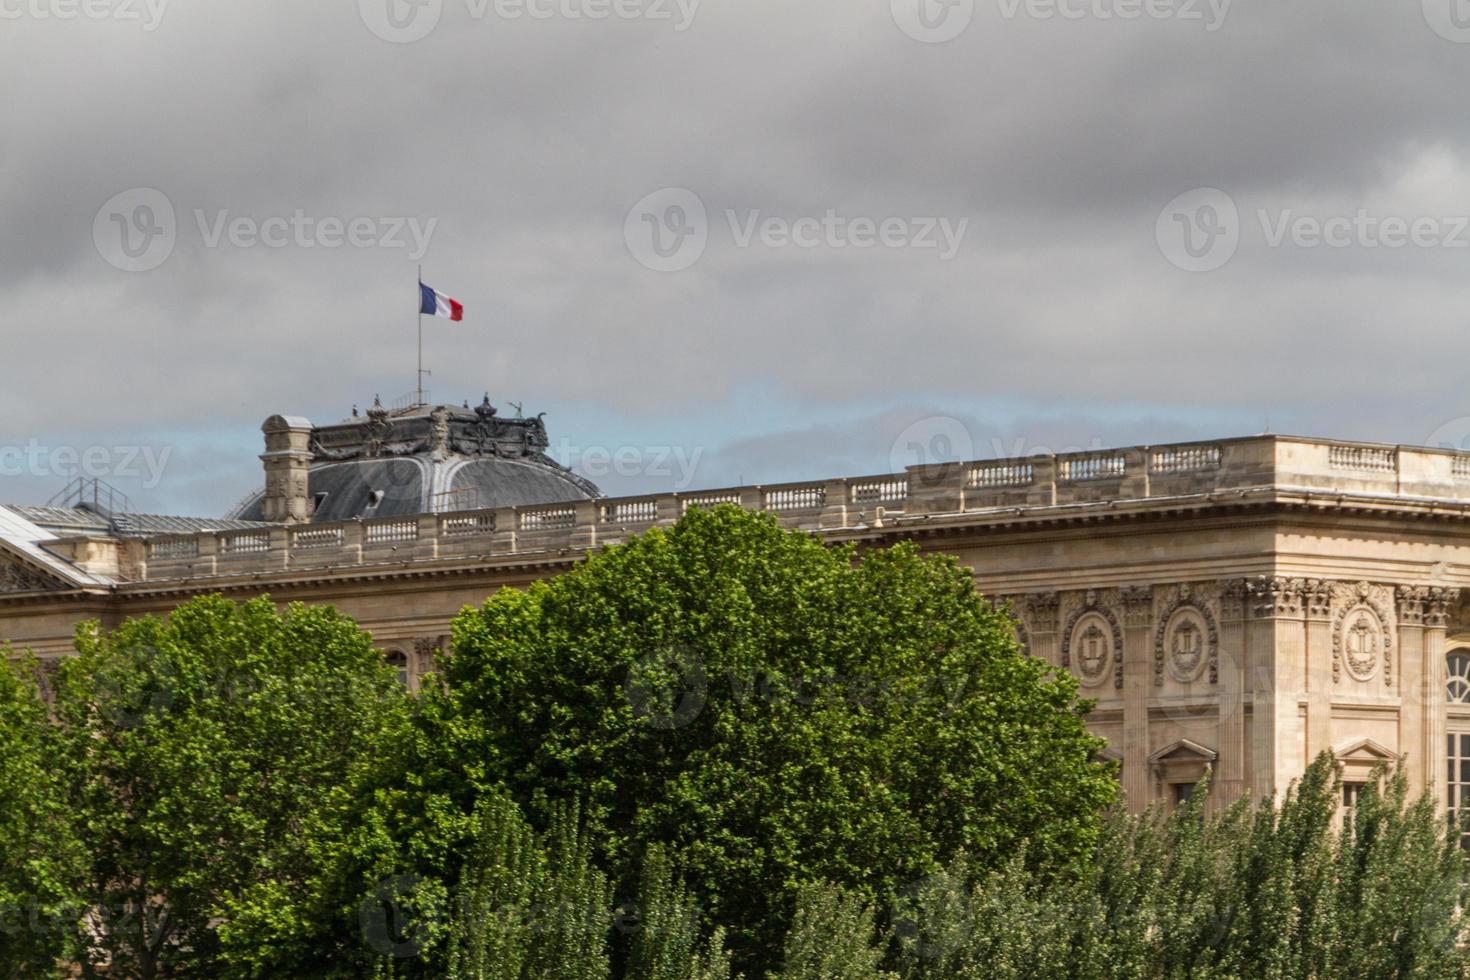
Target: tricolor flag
435 303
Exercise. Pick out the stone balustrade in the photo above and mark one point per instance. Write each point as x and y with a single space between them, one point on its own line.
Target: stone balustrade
922 492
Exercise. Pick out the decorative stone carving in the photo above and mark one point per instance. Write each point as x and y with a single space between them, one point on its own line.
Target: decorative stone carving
1318 598
1092 631
378 431
1138 604
1187 640
1438 604
17 577
439 432
1233 594
1411 600
1277 596
1023 638
1041 611
1362 633
1093 651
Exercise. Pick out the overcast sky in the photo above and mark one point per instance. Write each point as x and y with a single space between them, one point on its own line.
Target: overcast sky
740 240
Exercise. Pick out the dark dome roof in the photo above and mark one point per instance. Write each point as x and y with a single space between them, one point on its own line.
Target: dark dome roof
427 460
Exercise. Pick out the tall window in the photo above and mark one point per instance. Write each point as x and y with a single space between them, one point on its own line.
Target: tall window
1458 686
1457 781
399 659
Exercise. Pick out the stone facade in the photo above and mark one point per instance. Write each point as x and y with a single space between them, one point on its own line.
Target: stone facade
1237 606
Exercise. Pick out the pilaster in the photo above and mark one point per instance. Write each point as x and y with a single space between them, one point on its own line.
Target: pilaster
1231 691
1138 614
1317 606
1274 657
1437 607
1415 693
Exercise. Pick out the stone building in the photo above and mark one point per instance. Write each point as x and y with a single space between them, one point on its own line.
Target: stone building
1237 606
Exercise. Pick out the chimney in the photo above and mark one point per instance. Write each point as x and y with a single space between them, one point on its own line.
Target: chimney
287 460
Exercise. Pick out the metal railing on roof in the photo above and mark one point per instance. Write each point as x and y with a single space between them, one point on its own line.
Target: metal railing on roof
94 495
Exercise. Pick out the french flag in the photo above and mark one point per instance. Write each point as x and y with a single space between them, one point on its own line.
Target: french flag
435 303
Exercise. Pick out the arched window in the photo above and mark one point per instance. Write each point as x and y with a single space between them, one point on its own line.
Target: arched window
399 660
1458 686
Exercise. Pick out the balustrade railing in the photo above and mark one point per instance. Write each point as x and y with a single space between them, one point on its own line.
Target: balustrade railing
1186 459
166 548
314 538
1257 465
467 525
795 498
630 512
245 543
549 519
1075 469
884 490
1367 458
1000 474
391 532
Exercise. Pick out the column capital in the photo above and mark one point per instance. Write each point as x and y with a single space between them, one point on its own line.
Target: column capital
1317 597
1138 605
1041 610
1438 604
1277 597
1233 595
1410 601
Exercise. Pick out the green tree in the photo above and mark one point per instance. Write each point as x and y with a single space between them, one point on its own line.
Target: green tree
210 762
41 859
774 711
1273 889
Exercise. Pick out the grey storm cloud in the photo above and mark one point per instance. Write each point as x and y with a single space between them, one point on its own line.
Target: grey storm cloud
525 141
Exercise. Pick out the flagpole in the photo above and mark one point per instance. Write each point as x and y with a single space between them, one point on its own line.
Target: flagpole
419 378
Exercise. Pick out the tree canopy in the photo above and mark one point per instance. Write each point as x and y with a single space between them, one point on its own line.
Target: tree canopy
775 711
207 763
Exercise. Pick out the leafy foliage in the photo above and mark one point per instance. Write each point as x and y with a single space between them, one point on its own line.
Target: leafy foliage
776 712
208 763
1264 891
40 855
